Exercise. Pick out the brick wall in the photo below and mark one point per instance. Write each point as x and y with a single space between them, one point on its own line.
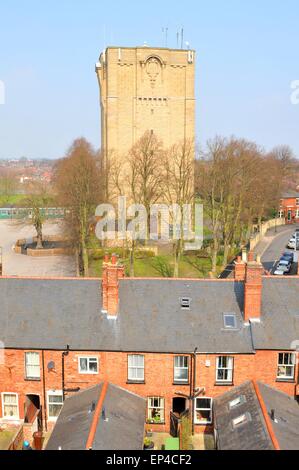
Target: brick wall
158 376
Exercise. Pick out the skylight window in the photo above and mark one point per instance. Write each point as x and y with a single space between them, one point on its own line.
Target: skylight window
230 321
241 420
237 402
185 303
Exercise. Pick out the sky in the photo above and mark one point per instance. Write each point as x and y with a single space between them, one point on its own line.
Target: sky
247 58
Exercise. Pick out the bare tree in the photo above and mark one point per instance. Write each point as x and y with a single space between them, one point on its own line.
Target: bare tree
35 204
78 183
144 177
211 186
179 186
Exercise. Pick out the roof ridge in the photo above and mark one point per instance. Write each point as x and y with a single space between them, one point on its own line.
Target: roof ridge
96 417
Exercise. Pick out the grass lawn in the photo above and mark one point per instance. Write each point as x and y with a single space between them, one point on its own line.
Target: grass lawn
15 199
191 266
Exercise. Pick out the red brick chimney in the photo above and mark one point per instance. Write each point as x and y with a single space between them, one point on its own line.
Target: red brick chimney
240 269
253 290
112 272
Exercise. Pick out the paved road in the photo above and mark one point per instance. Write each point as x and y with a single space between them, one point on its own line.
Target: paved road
21 265
274 245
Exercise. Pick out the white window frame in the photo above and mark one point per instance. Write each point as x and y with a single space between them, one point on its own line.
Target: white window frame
161 407
134 367
292 365
57 393
196 408
88 371
229 369
297 214
10 418
28 377
179 368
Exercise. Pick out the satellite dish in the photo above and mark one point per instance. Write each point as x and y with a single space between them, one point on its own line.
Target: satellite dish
51 365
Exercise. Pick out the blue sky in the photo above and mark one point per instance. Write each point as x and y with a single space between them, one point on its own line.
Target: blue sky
247 57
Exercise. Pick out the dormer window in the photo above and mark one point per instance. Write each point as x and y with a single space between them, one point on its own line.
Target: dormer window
185 303
230 321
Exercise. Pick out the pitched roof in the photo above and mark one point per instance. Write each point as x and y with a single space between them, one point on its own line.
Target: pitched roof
259 432
286 416
120 423
279 326
54 313
49 314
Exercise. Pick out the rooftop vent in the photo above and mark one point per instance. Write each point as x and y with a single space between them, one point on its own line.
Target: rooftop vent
185 303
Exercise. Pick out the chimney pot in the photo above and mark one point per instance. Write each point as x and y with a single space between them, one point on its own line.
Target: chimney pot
114 259
240 269
251 257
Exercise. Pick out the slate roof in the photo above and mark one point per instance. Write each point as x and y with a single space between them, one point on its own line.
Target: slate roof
49 314
254 434
290 194
279 326
120 425
53 313
286 423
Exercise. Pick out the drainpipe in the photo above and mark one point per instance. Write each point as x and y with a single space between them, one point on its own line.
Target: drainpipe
193 389
64 355
64 390
44 391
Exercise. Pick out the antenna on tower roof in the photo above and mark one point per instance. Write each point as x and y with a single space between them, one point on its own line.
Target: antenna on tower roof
165 31
182 37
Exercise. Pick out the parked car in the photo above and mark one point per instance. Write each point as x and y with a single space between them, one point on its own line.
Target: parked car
284 267
279 272
292 244
288 256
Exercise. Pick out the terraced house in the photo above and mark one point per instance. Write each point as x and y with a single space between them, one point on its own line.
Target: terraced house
179 343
